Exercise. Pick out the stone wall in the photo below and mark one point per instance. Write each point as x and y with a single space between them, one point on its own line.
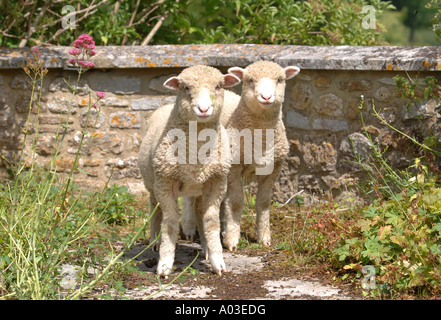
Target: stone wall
321 109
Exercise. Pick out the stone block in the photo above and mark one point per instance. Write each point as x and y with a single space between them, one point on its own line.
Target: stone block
322 83
125 120
319 156
383 94
64 164
120 84
45 145
92 118
144 104
297 120
356 85
51 119
353 148
62 85
20 81
62 105
115 102
301 96
330 105
330 124
135 142
107 143
119 168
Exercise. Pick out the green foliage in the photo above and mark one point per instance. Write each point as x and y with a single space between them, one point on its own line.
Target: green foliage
273 22
116 205
313 22
399 232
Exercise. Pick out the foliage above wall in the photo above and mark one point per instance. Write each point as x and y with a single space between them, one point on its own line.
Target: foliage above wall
115 22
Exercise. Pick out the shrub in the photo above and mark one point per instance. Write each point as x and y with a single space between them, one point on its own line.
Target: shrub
400 231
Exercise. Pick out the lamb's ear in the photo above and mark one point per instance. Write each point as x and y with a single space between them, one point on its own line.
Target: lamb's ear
237 71
291 72
172 83
230 80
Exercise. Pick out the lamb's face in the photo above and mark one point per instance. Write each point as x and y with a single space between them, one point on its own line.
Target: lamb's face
264 83
201 92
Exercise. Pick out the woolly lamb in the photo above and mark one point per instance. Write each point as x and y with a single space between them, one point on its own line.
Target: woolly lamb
258 107
198 106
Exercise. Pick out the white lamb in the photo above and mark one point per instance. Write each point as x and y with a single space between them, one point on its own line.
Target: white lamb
258 107
195 114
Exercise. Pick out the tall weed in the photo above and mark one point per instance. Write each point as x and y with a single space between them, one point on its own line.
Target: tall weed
44 221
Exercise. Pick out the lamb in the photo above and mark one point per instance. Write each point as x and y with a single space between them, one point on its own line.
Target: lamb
258 107
196 112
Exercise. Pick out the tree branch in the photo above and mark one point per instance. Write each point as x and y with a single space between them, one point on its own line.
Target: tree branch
154 29
132 18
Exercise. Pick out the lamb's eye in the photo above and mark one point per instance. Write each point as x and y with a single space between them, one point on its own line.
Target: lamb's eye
187 90
280 80
218 87
251 81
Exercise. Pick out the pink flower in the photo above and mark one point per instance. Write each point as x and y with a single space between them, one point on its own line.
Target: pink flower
82 63
75 52
83 46
100 94
85 37
78 43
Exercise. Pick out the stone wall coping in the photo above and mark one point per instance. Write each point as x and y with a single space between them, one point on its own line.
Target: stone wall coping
367 58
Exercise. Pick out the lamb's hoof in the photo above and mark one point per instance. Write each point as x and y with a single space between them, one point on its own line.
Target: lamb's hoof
265 241
231 245
155 247
164 269
217 263
190 235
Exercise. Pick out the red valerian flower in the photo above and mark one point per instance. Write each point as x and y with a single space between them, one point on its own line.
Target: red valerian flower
100 94
83 46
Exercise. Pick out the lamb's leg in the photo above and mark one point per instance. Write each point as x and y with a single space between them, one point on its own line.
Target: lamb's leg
212 196
155 222
166 192
232 209
198 216
265 186
188 221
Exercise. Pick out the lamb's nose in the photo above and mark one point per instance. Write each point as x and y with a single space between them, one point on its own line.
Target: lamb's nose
203 109
266 97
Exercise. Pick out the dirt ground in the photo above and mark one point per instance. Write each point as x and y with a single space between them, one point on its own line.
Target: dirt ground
253 272
249 275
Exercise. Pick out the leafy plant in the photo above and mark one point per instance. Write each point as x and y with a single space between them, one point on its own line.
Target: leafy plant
116 204
399 232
